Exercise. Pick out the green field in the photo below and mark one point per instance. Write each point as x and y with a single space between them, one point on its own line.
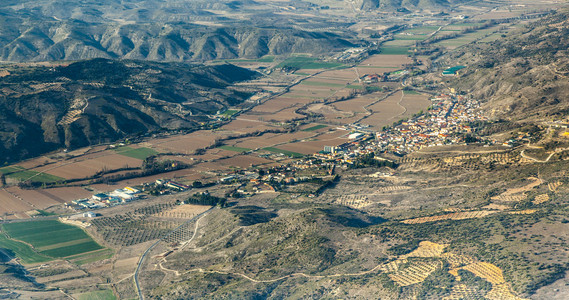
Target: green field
411 92
97 295
236 149
302 62
393 50
10 169
230 112
411 37
24 252
285 152
422 29
327 84
139 153
314 128
52 238
21 174
355 86
90 257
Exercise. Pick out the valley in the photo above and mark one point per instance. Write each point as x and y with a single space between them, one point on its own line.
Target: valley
389 160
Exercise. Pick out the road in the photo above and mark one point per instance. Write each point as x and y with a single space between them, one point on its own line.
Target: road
141 260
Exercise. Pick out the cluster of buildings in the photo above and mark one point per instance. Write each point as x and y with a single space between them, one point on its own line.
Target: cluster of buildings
443 124
100 200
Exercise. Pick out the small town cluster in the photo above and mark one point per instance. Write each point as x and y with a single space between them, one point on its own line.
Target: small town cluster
447 121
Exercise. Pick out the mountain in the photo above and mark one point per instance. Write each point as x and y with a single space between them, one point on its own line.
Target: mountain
100 100
406 5
157 30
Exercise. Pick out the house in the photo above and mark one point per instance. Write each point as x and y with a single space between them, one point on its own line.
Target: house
89 214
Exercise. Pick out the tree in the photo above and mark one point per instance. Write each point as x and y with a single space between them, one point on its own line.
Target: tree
197 184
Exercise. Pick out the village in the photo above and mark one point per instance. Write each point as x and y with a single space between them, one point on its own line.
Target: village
447 121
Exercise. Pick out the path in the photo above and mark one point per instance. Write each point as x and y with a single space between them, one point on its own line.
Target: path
141 260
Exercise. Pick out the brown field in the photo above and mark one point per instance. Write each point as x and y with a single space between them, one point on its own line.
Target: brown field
329 112
386 111
282 116
276 105
187 143
356 105
414 103
89 164
270 139
347 75
33 198
244 161
245 126
11 204
393 61
310 147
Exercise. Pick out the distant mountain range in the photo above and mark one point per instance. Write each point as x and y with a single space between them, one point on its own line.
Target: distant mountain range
47 30
100 100
406 5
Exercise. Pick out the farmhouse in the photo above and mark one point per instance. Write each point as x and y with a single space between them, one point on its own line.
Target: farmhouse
370 78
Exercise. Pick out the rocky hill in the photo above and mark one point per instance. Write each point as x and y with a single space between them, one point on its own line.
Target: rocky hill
94 101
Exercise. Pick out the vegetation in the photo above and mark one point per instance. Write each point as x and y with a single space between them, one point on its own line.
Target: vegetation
98 295
285 152
205 198
236 149
303 62
139 153
24 252
314 128
52 238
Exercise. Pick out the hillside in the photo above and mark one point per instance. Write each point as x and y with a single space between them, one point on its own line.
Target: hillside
523 76
101 100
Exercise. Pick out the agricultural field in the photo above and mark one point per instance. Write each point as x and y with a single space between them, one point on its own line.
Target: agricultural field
285 152
138 153
11 204
235 149
52 238
315 127
451 216
245 126
22 251
88 165
97 295
21 174
303 62
18 200
185 211
187 143
386 111
467 38
243 161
